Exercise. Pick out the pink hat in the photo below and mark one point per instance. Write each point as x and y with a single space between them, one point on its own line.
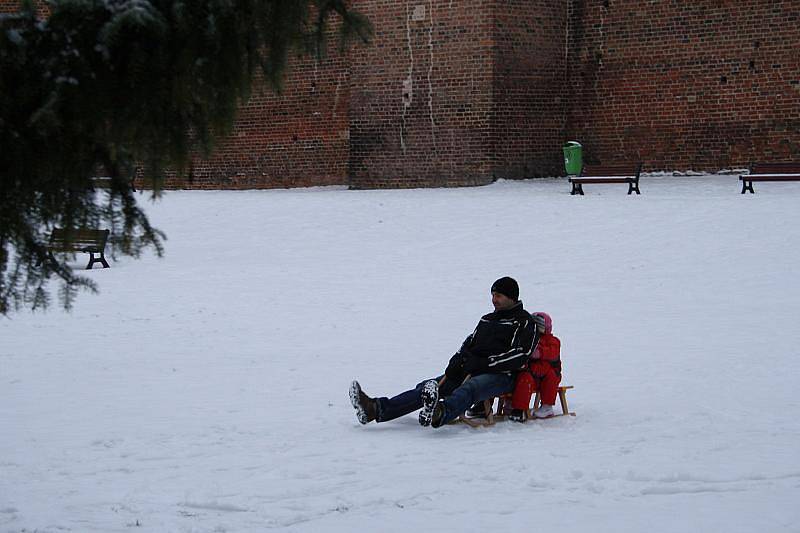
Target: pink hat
548 322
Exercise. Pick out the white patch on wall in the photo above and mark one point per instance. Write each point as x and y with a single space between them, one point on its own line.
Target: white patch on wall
408 91
418 13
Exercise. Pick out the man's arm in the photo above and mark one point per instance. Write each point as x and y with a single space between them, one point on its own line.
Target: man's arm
525 339
455 367
465 345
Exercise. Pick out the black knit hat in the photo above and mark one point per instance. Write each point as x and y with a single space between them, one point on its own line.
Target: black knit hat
507 286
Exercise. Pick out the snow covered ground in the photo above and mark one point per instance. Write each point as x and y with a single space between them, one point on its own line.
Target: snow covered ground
207 391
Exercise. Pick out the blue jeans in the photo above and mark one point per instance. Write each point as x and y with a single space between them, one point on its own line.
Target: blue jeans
457 399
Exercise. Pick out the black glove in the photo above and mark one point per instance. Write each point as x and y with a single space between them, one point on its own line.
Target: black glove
474 364
454 370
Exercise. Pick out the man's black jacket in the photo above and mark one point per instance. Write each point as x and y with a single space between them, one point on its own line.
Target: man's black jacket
502 342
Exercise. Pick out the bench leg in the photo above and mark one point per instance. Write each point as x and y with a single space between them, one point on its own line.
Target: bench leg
577 188
50 256
101 260
747 186
633 187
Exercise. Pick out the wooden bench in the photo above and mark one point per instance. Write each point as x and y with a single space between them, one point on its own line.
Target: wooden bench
491 417
91 241
617 173
769 172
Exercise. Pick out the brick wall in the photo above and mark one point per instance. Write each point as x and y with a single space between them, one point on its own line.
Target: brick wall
297 138
702 85
455 92
12 6
420 100
529 83
294 139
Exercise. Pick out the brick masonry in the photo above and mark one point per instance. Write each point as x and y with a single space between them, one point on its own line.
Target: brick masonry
454 92
703 85
421 95
297 138
528 96
12 6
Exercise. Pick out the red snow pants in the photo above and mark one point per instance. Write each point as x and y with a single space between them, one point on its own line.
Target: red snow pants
541 377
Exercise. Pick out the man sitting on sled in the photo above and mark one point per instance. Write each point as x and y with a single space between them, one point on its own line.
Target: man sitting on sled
485 366
542 375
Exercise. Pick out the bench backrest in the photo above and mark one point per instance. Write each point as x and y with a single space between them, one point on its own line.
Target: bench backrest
775 168
79 239
614 169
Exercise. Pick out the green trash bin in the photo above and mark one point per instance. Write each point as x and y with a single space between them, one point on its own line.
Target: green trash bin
573 158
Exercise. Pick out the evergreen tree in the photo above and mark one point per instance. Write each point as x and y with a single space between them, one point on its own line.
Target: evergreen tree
116 87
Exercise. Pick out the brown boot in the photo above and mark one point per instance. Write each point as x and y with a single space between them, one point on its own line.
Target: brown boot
366 410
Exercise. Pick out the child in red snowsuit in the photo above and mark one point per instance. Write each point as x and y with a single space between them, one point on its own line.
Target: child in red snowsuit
543 374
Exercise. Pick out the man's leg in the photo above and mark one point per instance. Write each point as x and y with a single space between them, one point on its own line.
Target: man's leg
475 389
404 403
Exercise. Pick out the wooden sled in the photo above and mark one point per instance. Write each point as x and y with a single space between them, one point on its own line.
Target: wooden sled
492 418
